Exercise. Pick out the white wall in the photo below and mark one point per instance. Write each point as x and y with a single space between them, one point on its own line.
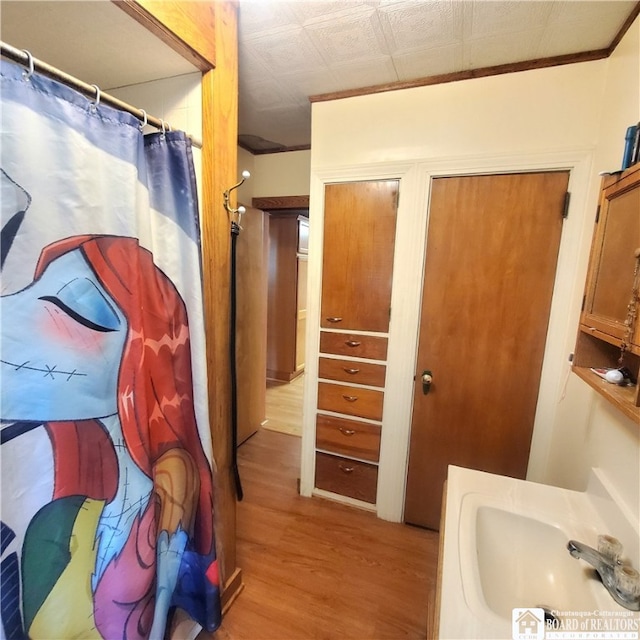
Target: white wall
176 100
274 174
572 116
589 432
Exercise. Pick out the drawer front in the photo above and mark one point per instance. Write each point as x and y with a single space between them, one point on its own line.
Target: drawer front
352 371
348 437
354 401
357 346
346 477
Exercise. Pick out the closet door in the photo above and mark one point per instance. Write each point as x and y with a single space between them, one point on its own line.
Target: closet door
492 248
359 240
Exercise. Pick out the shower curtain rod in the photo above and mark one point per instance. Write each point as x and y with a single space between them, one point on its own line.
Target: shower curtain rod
89 90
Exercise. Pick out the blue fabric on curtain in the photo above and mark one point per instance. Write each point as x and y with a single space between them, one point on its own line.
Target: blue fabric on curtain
107 490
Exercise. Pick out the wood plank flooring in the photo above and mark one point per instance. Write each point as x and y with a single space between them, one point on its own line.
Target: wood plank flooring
316 569
284 406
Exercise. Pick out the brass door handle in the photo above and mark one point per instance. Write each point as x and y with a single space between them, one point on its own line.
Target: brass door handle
352 343
350 398
427 380
334 319
346 432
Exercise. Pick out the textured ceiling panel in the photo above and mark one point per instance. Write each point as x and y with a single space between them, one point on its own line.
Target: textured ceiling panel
289 51
411 25
494 50
365 73
353 44
356 36
496 18
292 49
434 62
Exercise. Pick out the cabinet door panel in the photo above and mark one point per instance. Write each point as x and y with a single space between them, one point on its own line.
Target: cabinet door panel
616 239
357 268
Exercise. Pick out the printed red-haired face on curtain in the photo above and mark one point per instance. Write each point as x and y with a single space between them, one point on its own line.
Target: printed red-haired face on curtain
109 374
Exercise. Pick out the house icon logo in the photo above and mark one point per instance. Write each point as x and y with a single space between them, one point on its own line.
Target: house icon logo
527 624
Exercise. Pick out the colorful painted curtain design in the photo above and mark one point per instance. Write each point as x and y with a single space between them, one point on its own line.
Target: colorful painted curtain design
107 496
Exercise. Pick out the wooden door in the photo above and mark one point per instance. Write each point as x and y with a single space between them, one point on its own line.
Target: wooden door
251 322
492 248
357 265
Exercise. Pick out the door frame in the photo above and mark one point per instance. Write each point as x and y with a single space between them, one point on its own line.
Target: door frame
410 254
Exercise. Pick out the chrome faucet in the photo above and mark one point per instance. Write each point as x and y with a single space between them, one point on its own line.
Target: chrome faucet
621 580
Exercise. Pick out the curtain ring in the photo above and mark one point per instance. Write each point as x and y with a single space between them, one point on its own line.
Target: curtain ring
164 129
94 105
27 73
144 121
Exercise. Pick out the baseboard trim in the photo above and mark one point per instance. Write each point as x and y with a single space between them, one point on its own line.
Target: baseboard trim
232 590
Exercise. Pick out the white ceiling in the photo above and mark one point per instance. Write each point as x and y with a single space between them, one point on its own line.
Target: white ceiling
292 49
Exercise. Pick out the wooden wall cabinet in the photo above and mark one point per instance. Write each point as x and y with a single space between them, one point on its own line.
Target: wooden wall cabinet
287 295
609 306
359 242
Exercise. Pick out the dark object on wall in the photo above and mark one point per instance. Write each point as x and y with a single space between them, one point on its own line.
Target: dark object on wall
631 153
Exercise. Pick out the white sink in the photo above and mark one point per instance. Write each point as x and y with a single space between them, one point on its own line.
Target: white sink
520 561
505 549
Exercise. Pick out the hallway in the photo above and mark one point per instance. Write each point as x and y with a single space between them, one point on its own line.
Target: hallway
313 568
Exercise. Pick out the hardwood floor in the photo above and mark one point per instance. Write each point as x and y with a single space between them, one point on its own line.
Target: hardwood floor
313 568
284 406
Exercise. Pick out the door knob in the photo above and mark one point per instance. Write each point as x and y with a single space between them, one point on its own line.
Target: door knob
427 379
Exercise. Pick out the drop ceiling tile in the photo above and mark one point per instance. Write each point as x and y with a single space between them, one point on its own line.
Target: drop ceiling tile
433 62
257 17
491 18
365 73
322 80
292 52
251 66
269 94
589 26
357 36
570 38
410 25
312 11
609 14
501 48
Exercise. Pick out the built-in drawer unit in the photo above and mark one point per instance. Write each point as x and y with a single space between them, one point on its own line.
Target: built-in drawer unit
346 477
352 371
353 401
353 345
348 437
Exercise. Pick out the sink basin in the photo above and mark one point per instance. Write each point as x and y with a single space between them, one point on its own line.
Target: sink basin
504 551
523 562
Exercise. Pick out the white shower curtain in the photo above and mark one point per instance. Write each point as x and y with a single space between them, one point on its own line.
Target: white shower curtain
107 491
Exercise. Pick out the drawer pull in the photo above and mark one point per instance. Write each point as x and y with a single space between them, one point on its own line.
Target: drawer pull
334 319
350 398
352 343
351 372
345 469
346 432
